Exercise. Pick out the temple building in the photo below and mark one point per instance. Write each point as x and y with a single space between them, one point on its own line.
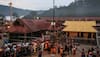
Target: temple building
80 30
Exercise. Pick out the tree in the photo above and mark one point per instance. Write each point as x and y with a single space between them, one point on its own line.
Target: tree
1 19
31 15
15 14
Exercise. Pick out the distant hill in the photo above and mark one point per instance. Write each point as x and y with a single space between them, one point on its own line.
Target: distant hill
4 10
34 14
79 8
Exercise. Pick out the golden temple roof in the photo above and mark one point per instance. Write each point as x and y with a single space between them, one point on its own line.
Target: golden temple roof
80 26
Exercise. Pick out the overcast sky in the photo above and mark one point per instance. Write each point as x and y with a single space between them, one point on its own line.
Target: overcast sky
36 4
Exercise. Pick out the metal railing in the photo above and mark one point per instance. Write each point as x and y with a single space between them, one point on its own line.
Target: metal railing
81 38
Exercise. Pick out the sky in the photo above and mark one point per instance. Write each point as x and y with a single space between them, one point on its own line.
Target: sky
36 4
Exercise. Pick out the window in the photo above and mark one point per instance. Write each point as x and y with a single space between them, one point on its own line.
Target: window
89 35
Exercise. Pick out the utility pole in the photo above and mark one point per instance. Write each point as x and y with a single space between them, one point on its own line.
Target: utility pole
52 36
53 22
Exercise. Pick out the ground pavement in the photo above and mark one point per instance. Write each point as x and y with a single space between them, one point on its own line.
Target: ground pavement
45 54
56 55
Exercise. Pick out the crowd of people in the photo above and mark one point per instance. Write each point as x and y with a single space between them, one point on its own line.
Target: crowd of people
20 49
35 47
91 52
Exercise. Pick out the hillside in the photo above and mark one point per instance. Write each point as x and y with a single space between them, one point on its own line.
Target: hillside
78 8
4 10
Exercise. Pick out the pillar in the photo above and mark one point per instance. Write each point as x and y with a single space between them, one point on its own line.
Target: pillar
92 35
79 34
97 39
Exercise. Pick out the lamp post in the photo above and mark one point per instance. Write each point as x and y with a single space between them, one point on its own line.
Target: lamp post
10 11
